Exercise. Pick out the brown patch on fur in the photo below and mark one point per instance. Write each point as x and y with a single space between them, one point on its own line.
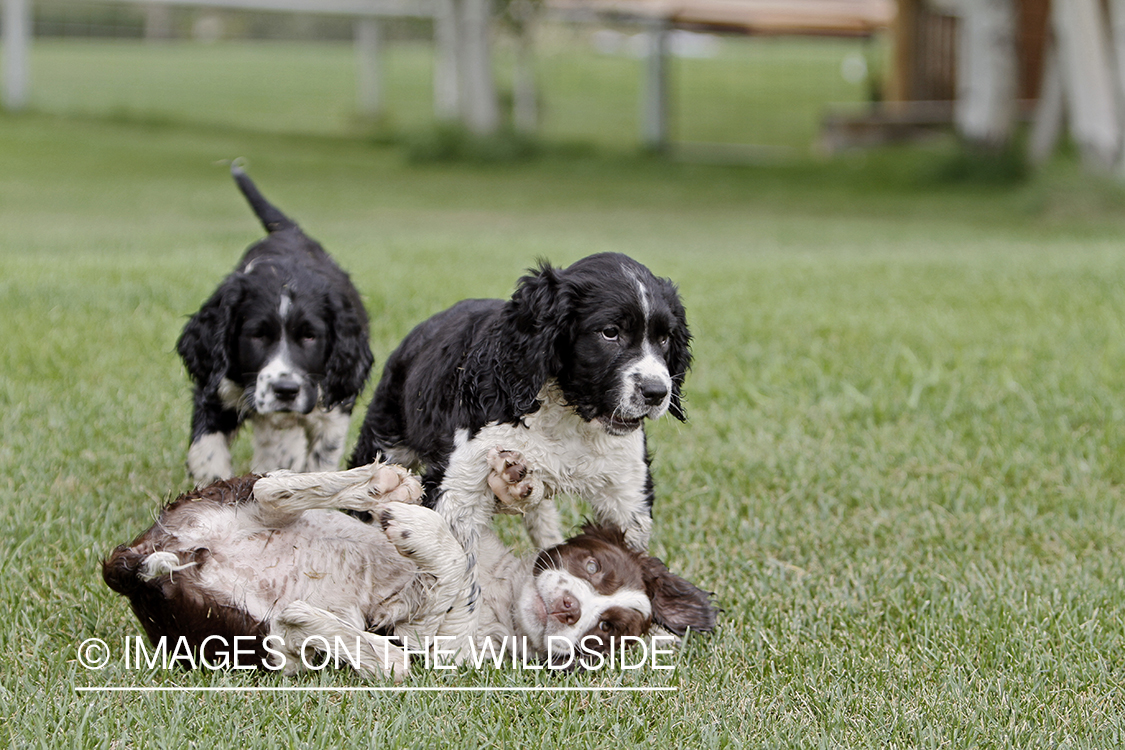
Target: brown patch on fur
172 606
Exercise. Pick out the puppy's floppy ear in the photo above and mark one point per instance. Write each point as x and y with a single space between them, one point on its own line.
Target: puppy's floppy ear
206 340
532 323
350 359
679 350
677 604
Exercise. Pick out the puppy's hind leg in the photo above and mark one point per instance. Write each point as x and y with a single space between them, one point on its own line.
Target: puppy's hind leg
423 536
306 630
284 495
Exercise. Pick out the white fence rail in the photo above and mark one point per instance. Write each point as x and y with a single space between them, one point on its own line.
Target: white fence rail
463 86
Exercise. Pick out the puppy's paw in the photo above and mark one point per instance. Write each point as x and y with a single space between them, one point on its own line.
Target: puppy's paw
299 615
515 485
416 532
393 483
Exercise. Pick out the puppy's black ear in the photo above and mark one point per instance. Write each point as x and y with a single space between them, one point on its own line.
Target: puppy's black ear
677 604
207 338
679 351
532 324
349 362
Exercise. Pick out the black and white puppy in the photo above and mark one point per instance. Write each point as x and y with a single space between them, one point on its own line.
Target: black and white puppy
282 342
265 560
563 375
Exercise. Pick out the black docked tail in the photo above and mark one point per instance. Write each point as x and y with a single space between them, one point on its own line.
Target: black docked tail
272 218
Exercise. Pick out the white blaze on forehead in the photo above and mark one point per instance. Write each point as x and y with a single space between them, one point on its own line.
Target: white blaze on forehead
642 293
283 308
593 605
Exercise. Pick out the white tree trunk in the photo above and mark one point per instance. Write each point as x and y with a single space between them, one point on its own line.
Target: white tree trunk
1088 80
985 109
1117 35
1050 111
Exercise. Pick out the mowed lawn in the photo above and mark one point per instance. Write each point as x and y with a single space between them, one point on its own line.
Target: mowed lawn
902 473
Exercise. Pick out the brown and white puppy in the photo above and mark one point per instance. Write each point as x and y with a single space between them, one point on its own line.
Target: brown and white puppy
264 557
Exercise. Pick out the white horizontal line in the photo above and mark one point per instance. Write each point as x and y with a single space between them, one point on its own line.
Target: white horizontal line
346 689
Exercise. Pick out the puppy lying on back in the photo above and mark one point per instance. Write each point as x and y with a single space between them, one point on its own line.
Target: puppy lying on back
282 342
262 557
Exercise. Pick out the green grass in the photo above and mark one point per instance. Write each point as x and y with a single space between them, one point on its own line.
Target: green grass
902 476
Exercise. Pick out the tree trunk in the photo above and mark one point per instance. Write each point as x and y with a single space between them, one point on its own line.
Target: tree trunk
984 112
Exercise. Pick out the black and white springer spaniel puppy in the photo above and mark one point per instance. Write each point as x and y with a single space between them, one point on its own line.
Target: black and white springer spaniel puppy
265 560
562 375
282 342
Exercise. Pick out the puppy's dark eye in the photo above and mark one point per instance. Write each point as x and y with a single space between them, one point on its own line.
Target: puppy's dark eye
662 340
605 626
591 566
306 335
610 333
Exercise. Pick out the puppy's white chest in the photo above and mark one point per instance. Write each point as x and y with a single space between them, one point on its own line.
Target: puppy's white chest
570 455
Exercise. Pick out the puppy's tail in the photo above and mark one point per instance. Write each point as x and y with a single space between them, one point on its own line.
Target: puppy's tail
272 218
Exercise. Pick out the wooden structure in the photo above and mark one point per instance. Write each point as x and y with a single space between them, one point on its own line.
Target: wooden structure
925 49
851 18
772 17
1062 60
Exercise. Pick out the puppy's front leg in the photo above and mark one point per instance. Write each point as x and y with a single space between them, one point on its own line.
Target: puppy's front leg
543 523
629 509
208 458
465 500
326 437
284 495
520 489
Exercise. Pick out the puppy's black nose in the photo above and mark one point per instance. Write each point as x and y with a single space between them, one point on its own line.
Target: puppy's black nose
654 392
566 609
286 390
